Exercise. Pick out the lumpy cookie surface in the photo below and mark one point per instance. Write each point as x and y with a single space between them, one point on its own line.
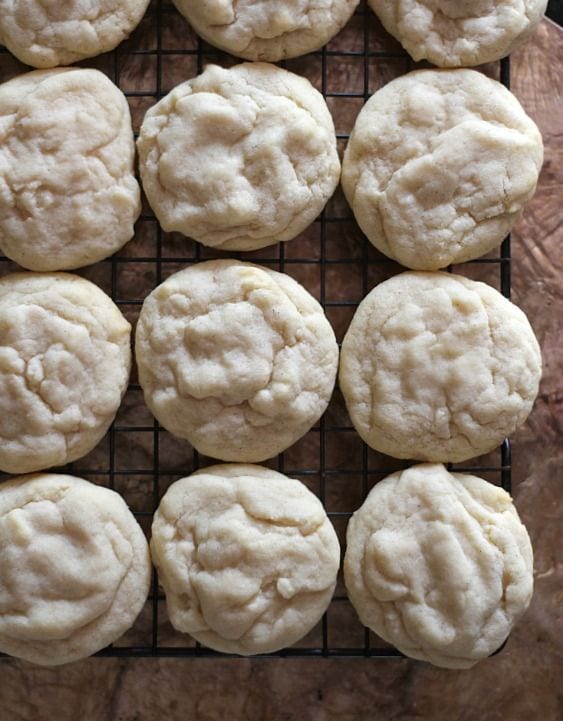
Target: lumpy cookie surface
74 569
439 167
240 158
247 557
47 33
236 358
439 564
68 193
267 29
437 367
65 358
453 33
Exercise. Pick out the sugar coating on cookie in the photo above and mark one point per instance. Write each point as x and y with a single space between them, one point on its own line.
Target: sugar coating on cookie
439 167
453 33
75 568
68 194
267 29
247 557
64 365
439 564
437 367
240 158
238 359
44 34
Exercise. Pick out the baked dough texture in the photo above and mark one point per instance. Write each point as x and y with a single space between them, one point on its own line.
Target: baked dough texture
439 564
437 367
65 358
240 158
68 194
47 33
453 33
238 359
75 568
247 557
267 29
439 166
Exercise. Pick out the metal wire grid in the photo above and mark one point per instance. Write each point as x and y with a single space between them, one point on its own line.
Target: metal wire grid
138 458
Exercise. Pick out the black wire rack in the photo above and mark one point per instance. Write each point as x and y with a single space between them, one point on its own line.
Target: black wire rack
332 259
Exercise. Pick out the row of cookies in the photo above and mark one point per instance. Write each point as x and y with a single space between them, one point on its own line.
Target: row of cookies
241 361
436 563
447 34
438 168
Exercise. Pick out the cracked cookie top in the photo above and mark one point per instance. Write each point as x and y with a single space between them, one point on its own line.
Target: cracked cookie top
239 158
238 359
247 558
68 194
47 33
75 568
453 33
64 365
437 367
439 564
268 30
439 167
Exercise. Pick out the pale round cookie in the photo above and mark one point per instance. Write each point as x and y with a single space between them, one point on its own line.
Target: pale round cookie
47 33
68 194
439 564
439 167
65 358
75 568
437 367
267 29
453 33
240 158
238 359
247 557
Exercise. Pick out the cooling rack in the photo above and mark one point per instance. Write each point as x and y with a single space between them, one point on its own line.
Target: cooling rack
331 259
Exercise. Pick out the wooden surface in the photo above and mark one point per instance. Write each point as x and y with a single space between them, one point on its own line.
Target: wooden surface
522 683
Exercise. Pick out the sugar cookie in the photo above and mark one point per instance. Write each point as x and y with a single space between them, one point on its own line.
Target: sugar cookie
439 564
439 167
239 159
238 359
75 568
267 29
64 365
437 367
452 33
68 194
247 558
44 34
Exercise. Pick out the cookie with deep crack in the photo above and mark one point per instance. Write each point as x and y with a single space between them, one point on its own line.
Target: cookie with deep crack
65 358
454 33
68 193
75 568
268 30
239 158
247 558
439 564
437 367
439 167
45 34
238 359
